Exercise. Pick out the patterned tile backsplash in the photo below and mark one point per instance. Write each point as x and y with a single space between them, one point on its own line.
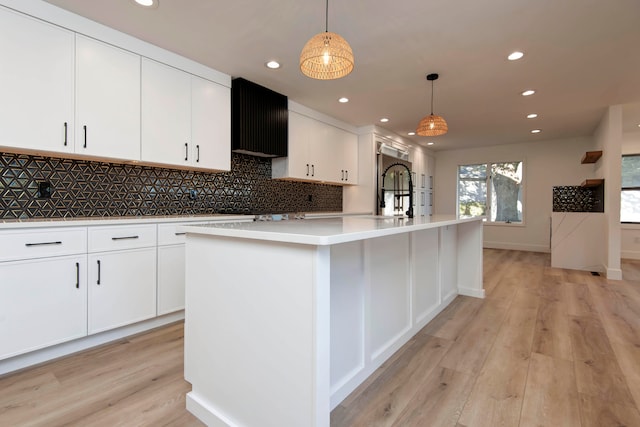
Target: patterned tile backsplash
578 199
96 189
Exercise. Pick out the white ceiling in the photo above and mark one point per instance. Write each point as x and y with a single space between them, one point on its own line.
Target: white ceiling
581 56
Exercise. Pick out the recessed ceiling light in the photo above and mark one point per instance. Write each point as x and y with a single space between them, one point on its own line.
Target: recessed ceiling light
147 3
411 133
536 131
532 116
274 65
528 92
514 56
384 120
429 143
639 125
343 100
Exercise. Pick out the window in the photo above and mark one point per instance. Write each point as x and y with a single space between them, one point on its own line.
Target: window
491 189
630 196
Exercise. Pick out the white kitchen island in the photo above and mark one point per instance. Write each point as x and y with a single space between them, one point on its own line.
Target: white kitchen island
285 318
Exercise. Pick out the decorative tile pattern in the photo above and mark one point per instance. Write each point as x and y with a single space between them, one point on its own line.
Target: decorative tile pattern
95 189
573 199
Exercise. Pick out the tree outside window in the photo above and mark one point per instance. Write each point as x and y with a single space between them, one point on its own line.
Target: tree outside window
491 189
630 195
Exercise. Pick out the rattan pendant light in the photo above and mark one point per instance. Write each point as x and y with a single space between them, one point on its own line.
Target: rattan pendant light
326 56
432 125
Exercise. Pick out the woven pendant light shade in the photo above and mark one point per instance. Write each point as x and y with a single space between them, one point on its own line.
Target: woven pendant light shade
432 125
326 56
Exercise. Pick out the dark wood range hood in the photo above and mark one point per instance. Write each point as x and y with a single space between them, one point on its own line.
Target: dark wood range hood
259 120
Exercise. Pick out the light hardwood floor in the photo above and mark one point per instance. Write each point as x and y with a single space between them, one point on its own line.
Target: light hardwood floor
547 347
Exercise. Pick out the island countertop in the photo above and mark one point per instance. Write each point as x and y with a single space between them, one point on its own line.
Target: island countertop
325 231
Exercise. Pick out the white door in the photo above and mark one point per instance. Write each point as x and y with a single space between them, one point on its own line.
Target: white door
166 114
210 125
107 100
171 278
122 288
42 302
36 84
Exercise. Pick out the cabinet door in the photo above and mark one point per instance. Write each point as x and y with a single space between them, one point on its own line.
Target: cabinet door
36 84
107 100
171 278
42 302
350 156
300 135
122 288
210 125
166 114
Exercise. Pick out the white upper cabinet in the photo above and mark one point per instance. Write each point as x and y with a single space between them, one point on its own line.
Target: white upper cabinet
36 84
185 120
107 100
318 152
211 124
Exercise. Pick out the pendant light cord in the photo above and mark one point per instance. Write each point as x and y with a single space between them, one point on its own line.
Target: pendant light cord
432 97
326 18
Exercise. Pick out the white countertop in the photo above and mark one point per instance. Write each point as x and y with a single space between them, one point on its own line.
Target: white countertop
10 224
324 231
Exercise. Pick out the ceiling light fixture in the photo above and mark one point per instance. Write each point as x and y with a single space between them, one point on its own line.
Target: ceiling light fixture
528 92
514 56
343 100
532 116
151 4
430 143
432 125
326 56
411 133
384 120
274 65
536 131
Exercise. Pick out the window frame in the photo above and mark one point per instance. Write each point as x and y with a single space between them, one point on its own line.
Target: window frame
623 189
488 182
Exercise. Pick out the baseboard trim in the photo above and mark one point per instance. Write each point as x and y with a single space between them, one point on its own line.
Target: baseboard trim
477 293
630 254
614 274
205 412
64 349
516 246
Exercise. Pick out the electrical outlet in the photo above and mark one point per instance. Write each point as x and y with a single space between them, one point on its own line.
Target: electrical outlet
193 194
44 190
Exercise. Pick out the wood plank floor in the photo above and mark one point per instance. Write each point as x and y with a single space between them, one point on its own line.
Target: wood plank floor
547 347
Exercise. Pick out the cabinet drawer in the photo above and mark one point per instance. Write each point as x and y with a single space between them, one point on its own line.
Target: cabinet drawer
112 238
168 234
28 244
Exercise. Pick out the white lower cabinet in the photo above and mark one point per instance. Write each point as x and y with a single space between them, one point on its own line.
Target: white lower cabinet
42 302
171 276
43 288
122 276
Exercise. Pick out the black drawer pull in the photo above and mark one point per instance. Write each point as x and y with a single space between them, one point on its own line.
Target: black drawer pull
42 244
198 153
125 238
85 136
98 282
186 151
180 234
65 134
77 275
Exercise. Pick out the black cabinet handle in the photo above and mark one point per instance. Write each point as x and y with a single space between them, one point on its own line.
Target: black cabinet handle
180 234
186 151
197 153
313 170
98 282
307 169
85 135
42 244
346 174
125 238
65 134
342 179
77 275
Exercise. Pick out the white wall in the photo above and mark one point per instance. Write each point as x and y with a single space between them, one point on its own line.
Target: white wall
608 138
630 233
546 164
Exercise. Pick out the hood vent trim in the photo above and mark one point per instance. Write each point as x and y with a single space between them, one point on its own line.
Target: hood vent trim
259 120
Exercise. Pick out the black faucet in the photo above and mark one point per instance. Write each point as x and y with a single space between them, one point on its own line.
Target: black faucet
382 204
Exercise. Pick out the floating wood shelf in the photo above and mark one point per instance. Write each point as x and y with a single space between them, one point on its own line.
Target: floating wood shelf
592 182
591 157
